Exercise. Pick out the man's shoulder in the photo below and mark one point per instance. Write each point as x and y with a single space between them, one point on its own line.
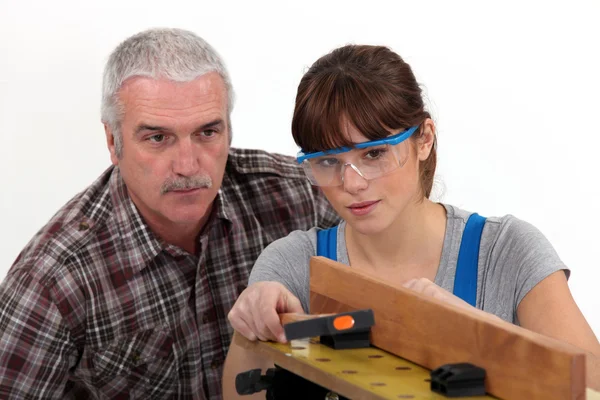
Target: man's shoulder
272 191
75 226
267 182
260 162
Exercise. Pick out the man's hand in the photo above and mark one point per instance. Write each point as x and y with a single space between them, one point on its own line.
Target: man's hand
255 314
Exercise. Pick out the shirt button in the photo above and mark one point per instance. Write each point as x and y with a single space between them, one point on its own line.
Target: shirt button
215 364
83 226
205 318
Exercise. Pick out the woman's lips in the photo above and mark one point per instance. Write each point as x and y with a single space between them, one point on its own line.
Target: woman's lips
363 208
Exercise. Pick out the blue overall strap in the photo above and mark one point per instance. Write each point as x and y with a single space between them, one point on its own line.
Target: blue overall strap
465 280
327 243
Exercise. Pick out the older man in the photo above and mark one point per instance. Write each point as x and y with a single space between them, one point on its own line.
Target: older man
125 292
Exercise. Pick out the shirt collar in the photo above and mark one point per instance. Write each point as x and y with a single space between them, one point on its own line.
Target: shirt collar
139 244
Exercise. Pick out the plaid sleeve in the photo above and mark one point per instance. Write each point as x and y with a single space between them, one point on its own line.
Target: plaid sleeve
35 349
326 216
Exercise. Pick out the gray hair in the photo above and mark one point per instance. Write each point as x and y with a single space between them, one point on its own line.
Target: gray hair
175 54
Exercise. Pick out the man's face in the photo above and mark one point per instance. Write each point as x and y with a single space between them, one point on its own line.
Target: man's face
175 144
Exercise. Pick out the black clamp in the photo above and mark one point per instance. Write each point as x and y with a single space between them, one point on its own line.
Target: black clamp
355 340
349 330
458 380
252 381
281 384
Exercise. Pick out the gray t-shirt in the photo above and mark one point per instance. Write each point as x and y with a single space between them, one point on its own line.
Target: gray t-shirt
514 256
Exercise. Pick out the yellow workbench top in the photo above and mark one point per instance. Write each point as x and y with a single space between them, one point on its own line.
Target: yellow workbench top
368 373
369 370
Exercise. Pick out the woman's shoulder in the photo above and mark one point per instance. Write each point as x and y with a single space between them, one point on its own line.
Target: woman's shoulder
509 238
285 258
507 224
293 249
296 241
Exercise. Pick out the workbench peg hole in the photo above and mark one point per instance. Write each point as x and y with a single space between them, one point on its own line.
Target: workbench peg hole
323 359
402 368
378 384
375 356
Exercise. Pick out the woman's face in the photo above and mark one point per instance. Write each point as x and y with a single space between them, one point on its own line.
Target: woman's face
371 206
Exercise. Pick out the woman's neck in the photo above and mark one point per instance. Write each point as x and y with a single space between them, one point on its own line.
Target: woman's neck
411 246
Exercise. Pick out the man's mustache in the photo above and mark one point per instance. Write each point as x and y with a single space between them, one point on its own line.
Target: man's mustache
185 183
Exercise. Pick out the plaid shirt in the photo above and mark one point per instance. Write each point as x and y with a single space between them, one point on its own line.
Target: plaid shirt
96 306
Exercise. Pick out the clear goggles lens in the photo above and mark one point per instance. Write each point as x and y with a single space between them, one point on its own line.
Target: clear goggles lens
369 162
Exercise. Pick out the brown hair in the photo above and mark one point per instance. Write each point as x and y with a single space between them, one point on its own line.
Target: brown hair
373 88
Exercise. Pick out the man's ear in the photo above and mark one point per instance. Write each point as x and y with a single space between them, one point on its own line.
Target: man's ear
426 141
110 143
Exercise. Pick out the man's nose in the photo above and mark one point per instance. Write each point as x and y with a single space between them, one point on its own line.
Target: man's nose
186 161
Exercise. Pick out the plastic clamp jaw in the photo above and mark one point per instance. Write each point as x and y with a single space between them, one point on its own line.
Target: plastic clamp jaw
252 381
458 380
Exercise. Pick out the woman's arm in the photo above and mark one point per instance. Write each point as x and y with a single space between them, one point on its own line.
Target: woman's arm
241 360
549 309
255 315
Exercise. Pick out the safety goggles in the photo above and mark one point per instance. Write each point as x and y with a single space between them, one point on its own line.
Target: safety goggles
370 160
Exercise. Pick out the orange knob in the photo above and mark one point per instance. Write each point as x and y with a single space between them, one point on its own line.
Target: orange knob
344 322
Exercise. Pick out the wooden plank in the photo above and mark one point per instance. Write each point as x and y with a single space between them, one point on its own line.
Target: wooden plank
368 373
287 318
519 363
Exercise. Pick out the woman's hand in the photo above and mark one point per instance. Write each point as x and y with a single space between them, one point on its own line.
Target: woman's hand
255 314
428 288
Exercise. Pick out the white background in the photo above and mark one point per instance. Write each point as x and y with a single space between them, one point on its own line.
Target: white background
514 88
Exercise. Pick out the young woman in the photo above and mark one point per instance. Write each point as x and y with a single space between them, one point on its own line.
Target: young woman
370 145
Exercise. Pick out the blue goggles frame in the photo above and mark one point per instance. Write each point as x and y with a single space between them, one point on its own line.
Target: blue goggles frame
391 140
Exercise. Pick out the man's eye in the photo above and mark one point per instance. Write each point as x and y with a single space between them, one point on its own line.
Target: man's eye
209 133
157 138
